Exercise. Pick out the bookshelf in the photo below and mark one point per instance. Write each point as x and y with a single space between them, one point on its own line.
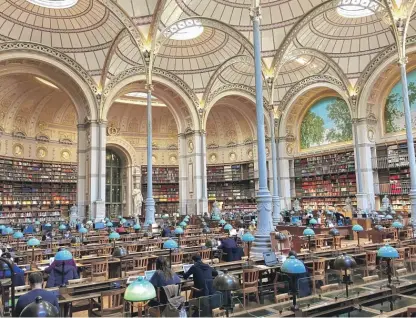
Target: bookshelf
26 216
233 185
325 180
35 186
165 188
394 175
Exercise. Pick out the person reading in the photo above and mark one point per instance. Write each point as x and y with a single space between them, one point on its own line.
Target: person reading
35 281
164 275
202 275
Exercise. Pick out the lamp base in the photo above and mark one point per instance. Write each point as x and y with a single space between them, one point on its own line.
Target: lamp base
294 308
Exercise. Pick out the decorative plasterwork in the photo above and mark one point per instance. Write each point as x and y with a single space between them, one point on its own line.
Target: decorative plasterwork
316 79
124 146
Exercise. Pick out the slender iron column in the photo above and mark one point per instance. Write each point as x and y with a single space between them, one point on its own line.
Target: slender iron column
275 197
150 202
263 198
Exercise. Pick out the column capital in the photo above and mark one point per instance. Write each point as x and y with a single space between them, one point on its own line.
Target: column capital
149 87
402 60
255 13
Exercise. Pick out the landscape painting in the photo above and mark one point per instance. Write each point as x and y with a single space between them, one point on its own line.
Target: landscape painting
327 121
394 110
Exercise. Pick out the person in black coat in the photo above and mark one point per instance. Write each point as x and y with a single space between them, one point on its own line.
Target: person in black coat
166 232
202 275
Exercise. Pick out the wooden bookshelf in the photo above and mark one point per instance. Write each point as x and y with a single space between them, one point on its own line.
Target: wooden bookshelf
233 185
394 175
325 180
165 188
26 216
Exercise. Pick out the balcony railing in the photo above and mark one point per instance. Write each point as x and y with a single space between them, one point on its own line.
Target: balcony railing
392 188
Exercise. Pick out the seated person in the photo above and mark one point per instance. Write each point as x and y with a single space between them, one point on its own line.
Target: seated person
35 281
60 272
201 274
19 274
166 232
47 236
29 229
120 229
231 250
67 235
228 242
164 275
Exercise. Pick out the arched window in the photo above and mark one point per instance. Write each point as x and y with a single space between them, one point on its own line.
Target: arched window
113 184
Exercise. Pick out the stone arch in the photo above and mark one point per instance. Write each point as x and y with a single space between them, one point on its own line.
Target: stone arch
114 88
123 147
56 67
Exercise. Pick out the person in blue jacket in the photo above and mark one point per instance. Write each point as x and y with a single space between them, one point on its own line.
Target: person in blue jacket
19 274
202 275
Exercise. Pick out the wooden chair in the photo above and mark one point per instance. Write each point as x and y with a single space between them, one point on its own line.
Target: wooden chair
76 252
79 305
99 271
134 273
318 272
282 298
140 263
103 240
372 278
205 254
250 284
106 250
370 262
38 256
132 248
111 305
319 243
336 243
22 289
177 258
328 288
400 262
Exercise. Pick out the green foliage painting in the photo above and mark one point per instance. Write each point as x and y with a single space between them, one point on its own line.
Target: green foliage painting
393 110
327 121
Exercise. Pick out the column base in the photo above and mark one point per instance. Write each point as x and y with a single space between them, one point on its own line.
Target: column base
99 210
277 217
150 212
264 223
412 197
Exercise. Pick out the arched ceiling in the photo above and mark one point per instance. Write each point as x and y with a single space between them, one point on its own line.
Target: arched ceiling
104 37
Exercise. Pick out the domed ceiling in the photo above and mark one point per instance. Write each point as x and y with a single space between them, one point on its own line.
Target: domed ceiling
207 44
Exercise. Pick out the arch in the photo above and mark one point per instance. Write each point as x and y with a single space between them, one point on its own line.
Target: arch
250 96
55 66
208 22
121 146
288 108
370 75
138 74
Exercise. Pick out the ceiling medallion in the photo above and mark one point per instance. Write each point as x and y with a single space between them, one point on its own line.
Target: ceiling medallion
54 4
357 8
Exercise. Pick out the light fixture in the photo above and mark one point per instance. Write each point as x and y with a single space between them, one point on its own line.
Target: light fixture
308 232
248 238
54 4
40 308
32 242
344 263
114 236
357 8
293 267
388 252
140 291
43 81
170 244
398 226
226 283
357 229
82 231
185 30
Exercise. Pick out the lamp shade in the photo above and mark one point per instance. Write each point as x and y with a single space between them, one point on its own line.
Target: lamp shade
36 223
203 223
62 227
170 244
247 237
122 221
308 232
280 236
63 255
109 224
344 261
140 291
137 226
40 308
89 222
226 282
397 225
8 231
183 224
114 236
48 224
165 216
120 251
186 218
33 242
206 230
293 266
211 243
334 232
388 251
357 228
106 219
222 222
216 218
178 231
228 227
83 230
17 235
313 221
389 217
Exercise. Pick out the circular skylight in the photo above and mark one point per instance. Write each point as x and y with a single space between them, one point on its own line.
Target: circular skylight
185 30
357 8
54 4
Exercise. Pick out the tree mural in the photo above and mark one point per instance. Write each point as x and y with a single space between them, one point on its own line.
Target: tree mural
327 121
394 111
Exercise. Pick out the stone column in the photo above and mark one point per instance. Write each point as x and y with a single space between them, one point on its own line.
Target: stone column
91 169
284 162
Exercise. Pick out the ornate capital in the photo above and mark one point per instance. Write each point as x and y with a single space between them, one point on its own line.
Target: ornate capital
269 81
255 13
402 60
149 87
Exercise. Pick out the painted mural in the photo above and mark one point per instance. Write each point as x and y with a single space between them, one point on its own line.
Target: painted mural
327 121
394 111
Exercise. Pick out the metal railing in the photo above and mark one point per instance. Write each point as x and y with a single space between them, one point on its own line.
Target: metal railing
392 188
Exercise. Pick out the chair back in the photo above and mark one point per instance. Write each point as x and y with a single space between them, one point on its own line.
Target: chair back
132 248
106 250
37 256
99 270
319 266
140 263
205 254
371 257
319 242
402 253
177 258
22 289
250 278
412 251
79 281
112 302
282 298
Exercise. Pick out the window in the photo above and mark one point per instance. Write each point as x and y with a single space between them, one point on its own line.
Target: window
54 4
113 184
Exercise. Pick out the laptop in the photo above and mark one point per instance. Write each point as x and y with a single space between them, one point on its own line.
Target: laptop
131 279
186 268
270 258
148 274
